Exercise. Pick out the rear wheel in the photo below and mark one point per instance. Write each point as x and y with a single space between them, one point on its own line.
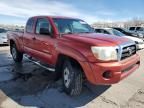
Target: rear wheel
72 79
17 56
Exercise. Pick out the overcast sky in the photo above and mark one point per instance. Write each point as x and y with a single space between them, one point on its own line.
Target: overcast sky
18 11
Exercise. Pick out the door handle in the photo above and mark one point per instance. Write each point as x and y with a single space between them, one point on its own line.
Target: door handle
33 38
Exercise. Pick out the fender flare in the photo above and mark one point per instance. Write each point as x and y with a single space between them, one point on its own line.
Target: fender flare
16 43
71 52
81 59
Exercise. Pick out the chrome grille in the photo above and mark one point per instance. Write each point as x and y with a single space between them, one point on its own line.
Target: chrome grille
128 51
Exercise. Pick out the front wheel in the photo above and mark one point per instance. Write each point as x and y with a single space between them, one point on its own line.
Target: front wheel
72 79
17 56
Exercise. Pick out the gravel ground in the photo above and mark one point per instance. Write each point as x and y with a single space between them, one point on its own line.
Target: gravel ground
27 85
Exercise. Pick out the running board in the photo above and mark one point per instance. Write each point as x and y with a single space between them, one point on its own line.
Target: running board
39 64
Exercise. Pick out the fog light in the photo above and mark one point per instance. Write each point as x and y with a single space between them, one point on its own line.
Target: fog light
107 74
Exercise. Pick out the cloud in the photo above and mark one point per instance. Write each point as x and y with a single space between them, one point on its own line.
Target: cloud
31 8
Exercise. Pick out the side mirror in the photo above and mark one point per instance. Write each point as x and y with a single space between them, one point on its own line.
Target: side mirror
44 31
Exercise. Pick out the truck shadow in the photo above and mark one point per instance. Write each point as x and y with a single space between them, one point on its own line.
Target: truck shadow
40 89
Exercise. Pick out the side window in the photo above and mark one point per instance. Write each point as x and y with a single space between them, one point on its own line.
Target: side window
43 27
105 32
29 25
101 31
98 30
139 29
132 28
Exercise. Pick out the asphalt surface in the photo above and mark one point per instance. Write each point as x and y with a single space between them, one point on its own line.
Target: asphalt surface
27 85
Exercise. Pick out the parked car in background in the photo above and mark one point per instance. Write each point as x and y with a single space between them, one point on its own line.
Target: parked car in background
139 30
75 52
3 37
127 32
19 30
111 31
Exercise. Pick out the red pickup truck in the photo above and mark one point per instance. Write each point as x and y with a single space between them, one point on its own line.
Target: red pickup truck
71 48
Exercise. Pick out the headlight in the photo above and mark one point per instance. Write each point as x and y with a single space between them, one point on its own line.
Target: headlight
105 53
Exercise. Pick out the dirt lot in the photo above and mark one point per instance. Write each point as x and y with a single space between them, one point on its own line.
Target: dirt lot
40 90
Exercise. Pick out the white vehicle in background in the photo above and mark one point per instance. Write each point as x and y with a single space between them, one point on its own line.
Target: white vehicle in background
127 32
139 30
3 37
111 31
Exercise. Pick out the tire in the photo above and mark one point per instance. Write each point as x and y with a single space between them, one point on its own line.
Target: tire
17 56
72 79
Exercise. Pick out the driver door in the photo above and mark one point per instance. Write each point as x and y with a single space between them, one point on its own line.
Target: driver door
44 42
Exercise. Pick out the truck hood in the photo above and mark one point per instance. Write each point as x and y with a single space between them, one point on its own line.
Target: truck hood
97 39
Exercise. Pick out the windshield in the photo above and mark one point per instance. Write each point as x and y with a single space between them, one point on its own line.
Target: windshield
116 32
2 31
68 26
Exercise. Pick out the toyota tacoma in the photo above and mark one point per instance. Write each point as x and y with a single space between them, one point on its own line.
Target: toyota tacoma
70 47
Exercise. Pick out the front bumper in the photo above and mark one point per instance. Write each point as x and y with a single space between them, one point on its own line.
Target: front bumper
119 70
3 41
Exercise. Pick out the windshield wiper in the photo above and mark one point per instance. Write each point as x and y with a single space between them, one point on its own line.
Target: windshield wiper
86 32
